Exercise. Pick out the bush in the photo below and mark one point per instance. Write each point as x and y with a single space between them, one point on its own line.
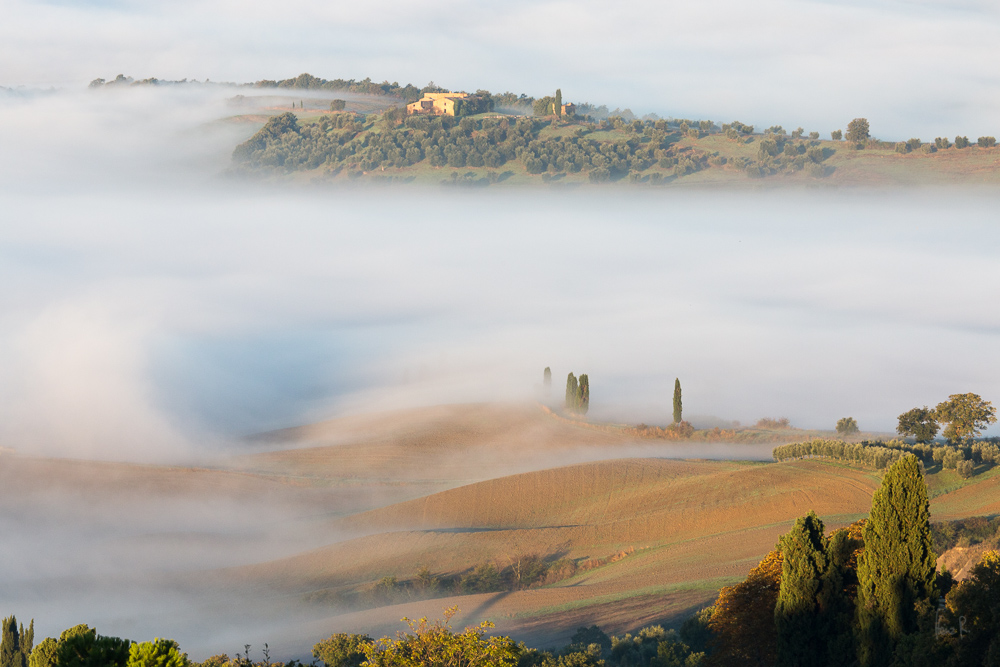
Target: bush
942 142
962 142
902 147
484 578
837 135
342 650
987 142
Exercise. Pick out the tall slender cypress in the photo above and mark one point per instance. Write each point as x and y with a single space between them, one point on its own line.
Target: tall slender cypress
571 395
10 645
678 407
27 641
558 102
897 567
583 395
798 617
547 377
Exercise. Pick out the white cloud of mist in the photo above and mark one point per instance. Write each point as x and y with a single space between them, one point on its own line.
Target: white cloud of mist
913 68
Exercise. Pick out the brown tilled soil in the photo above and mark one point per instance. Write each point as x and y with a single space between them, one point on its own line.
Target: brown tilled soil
451 487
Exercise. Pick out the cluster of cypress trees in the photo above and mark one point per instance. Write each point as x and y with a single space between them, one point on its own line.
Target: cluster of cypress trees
16 644
577 394
818 621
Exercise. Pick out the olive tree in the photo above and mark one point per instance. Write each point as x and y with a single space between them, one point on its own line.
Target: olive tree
966 416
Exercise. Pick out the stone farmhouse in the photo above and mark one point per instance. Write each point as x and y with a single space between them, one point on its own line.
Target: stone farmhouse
436 103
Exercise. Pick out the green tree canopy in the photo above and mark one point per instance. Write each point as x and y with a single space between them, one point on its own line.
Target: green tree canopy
847 426
342 650
966 415
10 645
583 395
157 653
897 568
436 643
797 614
919 423
857 130
88 649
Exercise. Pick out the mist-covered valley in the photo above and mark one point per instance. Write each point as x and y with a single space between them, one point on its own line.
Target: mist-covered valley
159 312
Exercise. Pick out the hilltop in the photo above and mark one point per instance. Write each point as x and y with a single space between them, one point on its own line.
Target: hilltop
490 148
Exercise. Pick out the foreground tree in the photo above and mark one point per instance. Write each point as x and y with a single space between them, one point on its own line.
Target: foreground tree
897 568
977 600
83 647
966 415
678 404
743 621
342 650
10 646
437 644
798 617
157 653
847 426
919 423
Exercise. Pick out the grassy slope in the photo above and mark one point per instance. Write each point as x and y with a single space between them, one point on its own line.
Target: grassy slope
970 166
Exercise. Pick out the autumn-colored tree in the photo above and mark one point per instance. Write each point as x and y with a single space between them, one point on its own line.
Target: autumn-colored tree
966 415
743 620
435 643
898 566
920 423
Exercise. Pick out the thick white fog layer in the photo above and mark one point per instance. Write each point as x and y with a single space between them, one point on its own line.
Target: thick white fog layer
153 306
921 68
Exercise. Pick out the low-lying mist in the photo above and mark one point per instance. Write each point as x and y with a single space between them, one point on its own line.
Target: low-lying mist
157 311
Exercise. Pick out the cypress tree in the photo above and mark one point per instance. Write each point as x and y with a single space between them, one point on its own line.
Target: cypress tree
798 616
10 645
558 103
678 407
571 396
583 395
27 642
897 567
547 378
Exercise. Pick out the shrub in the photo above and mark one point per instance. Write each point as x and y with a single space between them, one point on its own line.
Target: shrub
342 650
962 142
987 142
837 135
901 147
942 142
773 424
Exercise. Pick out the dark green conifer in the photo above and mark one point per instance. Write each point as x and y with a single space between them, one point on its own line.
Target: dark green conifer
897 568
558 102
678 407
583 395
27 640
547 377
571 392
10 644
798 616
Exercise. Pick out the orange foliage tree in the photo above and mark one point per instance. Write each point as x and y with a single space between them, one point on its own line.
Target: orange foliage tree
743 621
